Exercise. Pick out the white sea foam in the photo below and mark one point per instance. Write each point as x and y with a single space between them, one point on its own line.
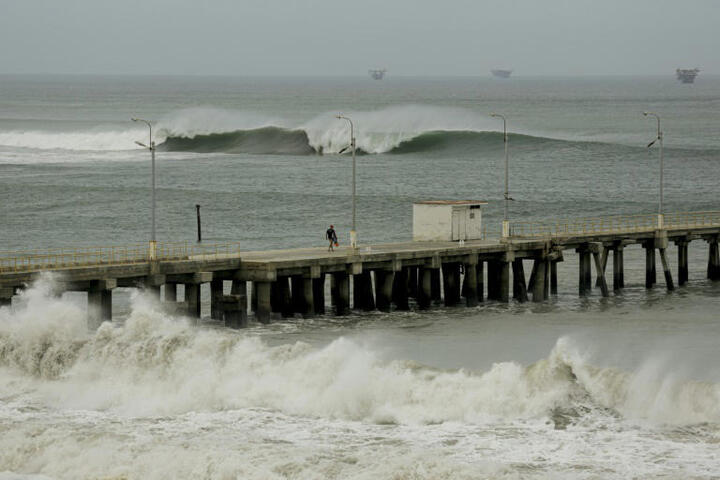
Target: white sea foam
157 365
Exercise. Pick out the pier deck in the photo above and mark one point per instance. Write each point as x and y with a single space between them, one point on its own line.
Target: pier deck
384 276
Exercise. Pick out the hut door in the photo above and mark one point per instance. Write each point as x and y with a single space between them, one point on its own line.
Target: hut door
458 224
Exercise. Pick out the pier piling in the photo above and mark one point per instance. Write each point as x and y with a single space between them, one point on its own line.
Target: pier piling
538 290
650 273
262 293
519 288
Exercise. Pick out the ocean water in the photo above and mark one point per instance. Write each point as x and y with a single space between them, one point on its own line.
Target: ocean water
591 388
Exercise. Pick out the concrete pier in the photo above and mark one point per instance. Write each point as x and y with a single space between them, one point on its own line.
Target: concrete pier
382 275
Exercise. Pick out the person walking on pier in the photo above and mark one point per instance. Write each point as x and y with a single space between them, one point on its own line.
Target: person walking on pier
332 238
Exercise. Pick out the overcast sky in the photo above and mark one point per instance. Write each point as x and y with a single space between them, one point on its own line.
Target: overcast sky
342 37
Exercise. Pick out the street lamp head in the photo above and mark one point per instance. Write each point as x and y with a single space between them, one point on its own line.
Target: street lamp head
493 114
142 144
135 119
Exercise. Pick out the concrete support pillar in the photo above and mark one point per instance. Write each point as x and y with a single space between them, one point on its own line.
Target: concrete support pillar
363 292
504 278
6 294
533 274
400 290
650 274
253 297
413 282
539 289
192 296
553 277
384 280
713 269
298 294
239 291
519 287
234 310
308 303
436 295
470 285
216 298
666 269
682 246
604 253
100 302
340 287
585 271
451 283
319 294
618 268
424 297
170 292
480 270
280 297
493 280
600 273
262 292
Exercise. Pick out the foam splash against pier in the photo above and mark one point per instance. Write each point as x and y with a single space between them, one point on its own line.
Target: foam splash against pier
155 364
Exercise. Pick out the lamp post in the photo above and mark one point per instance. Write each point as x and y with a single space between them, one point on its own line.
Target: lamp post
659 139
353 231
506 222
151 147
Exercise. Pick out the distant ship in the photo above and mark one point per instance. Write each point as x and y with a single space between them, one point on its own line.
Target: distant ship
502 73
687 75
377 73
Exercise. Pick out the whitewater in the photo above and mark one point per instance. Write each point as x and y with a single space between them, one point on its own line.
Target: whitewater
142 398
574 388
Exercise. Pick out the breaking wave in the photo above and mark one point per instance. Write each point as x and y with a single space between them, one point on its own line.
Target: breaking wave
405 129
157 365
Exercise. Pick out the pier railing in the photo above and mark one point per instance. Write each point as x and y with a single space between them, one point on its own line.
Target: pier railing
60 258
616 224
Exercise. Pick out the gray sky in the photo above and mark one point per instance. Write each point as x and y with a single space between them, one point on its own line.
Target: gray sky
342 37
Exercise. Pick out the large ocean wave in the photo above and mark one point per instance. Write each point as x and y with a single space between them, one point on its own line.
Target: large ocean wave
158 365
407 129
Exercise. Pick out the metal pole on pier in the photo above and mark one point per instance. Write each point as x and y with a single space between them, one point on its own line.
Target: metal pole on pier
151 147
353 231
506 222
199 229
659 139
